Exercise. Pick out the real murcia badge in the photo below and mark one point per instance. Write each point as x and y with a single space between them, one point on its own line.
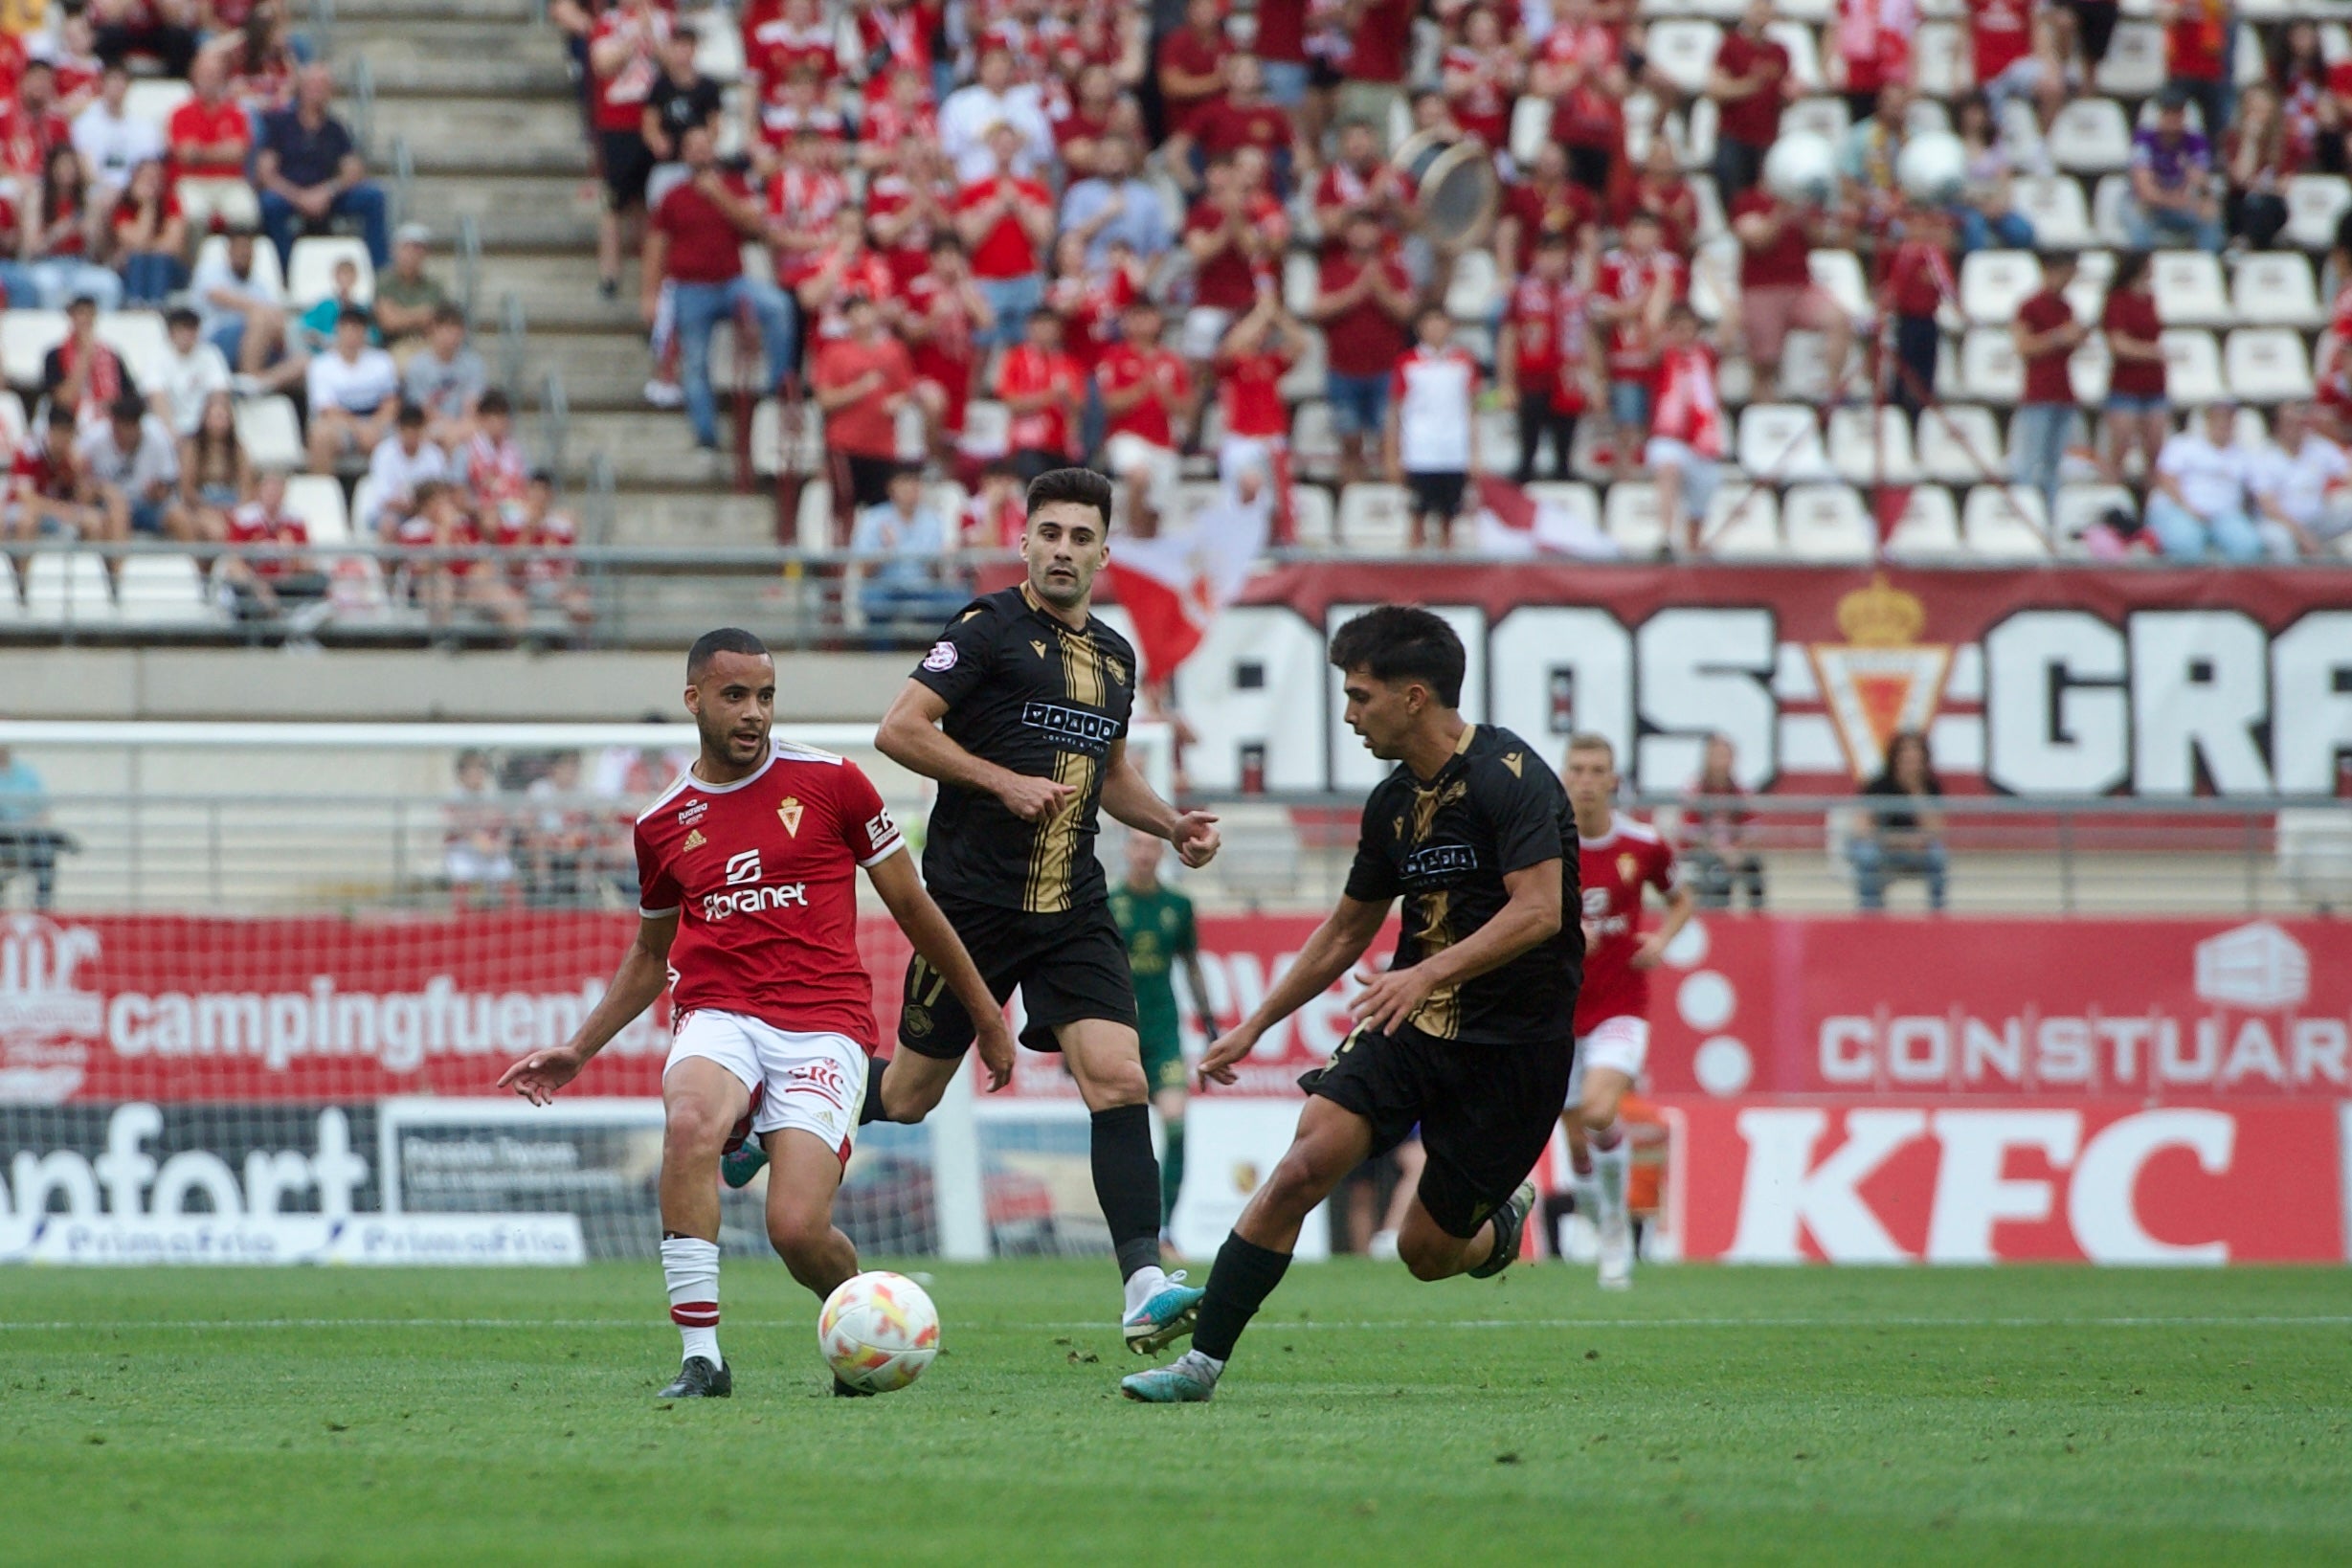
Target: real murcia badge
1882 678
790 813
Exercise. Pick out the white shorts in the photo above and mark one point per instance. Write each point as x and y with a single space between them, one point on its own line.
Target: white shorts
1620 1044
1125 453
815 1083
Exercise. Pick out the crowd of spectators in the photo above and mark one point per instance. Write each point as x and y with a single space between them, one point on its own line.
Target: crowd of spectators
546 829
1085 215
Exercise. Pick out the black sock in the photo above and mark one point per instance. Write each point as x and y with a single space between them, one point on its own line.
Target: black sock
1126 1185
1243 1276
871 1110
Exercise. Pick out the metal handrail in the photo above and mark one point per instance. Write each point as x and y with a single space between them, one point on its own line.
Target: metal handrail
469 265
512 332
362 98
404 180
555 420
603 506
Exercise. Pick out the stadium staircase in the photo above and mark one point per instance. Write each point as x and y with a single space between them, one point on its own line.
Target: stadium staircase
478 93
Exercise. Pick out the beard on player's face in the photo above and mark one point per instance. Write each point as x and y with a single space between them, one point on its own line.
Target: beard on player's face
736 736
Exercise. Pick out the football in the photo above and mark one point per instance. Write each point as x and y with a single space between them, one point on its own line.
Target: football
878 1332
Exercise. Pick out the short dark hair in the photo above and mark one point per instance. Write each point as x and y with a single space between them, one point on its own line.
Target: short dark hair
709 645
181 316
494 401
349 314
412 417
443 314
1083 485
1403 643
127 410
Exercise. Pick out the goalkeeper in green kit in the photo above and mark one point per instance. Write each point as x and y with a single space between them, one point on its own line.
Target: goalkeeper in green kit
1156 922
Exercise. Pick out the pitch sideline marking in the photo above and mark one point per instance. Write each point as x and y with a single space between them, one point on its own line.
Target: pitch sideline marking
1367 1325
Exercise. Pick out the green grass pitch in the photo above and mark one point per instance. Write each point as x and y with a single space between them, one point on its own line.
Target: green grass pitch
1711 1414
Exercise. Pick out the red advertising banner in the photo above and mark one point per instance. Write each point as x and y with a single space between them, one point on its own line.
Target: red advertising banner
1909 1179
2075 682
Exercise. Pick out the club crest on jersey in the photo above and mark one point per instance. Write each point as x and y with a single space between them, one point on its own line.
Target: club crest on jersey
942 656
691 812
789 813
694 841
1626 867
1118 671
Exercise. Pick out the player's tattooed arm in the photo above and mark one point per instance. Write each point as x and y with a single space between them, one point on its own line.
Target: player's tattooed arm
910 736
910 905
644 973
1531 916
1335 945
1129 798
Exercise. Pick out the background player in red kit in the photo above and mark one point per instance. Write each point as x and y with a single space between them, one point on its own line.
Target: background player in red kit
747 870
1617 857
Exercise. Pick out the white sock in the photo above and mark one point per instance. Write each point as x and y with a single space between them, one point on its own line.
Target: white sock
1144 1284
1609 1168
1206 1366
690 1268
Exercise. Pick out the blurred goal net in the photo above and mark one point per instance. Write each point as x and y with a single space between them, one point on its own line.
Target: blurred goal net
264 1014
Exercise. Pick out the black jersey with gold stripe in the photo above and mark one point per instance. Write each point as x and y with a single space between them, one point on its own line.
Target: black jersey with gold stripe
1027 693
1446 845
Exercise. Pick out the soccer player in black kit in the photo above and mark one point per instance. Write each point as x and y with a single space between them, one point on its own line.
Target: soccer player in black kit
1020 710
1469 1033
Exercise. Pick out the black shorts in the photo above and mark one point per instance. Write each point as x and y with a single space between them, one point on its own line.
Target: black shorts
627 164
1439 493
1486 1111
1069 967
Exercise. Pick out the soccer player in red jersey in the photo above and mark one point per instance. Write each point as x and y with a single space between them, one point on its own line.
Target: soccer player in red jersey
747 866
1617 857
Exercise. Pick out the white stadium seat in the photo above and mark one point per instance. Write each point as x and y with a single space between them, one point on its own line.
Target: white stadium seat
2087 295
1862 457
1990 370
1812 14
1579 499
2107 202
2135 62
2091 137
2315 203
317 498
2003 523
2189 291
2055 207
718 53
271 435
1803 52
1994 284
812 517
2087 369
2079 505
1838 274
1375 518
1311 515
2192 366
988 429
1300 280
1311 373
1474 290
2274 288
68 590
159 588
25 337
1315 445
11 419
1828 523
1929 528
2268 365
1743 524
155 100
310 269
1941 64
1959 444
1531 128
1630 515
1817 116
1684 52
1781 443
139 337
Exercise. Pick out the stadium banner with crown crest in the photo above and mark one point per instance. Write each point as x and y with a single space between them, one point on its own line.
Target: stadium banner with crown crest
2079 682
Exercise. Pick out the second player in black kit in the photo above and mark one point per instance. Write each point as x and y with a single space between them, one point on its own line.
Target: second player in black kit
1027 693
1478 1064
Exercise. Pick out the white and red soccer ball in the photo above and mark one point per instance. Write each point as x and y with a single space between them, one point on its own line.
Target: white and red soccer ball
878 1332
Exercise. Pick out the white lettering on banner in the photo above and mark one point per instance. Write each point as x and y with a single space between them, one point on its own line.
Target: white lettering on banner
1785 1196
402 1238
2150 1052
1352 766
1256 680
1557 668
2054 708
2200 693
1704 672
1783 1193
126 1169
2311 677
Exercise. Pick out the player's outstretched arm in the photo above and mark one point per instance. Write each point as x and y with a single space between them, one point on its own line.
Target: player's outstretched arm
910 736
643 972
1335 945
1129 798
1679 906
910 905
1531 916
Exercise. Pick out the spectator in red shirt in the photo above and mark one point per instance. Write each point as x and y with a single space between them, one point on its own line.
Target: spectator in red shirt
944 320
149 236
2137 418
1776 291
1006 222
861 380
1581 70
32 125
1281 45
1191 73
1233 234
1751 86
1482 75
1359 180
1659 188
266 580
1145 396
2047 334
211 138
1918 281
1045 390
1259 349
1245 117
52 490
624 52
1547 202
2197 36
1380 34
695 245
1364 303
1870 50
847 265
1543 355
1636 284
